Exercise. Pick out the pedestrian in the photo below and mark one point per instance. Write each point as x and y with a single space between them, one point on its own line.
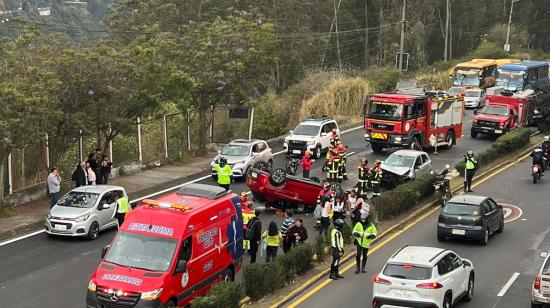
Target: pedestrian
364 233
123 207
469 171
287 224
93 162
338 209
105 169
337 249
298 233
354 206
254 235
91 174
307 162
80 176
54 186
273 239
225 174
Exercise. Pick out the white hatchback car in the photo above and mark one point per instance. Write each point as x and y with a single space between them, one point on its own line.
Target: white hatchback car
540 294
417 276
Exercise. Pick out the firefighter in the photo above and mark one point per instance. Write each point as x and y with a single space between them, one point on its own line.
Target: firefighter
363 175
343 173
337 247
334 138
248 213
470 170
333 165
376 178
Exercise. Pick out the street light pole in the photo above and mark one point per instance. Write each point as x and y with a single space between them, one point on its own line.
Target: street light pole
507 45
402 45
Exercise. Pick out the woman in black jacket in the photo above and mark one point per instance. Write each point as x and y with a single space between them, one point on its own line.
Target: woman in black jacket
80 177
298 233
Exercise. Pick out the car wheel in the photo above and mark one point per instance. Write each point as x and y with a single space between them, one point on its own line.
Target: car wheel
501 226
93 232
278 177
450 140
262 166
484 236
447 301
473 134
440 237
318 152
470 292
170 304
228 275
536 305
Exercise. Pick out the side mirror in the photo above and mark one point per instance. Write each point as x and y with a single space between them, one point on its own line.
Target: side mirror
544 254
466 263
291 132
104 251
104 206
181 267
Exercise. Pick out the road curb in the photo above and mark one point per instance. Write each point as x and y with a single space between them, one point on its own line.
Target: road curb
417 213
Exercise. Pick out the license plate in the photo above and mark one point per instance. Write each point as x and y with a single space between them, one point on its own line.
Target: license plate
498 131
403 294
379 136
486 130
60 227
458 232
296 152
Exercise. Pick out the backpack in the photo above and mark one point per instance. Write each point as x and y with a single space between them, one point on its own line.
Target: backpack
250 229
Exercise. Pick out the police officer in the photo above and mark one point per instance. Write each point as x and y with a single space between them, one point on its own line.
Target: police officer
363 175
376 178
364 233
469 171
225 174
337 248
123 207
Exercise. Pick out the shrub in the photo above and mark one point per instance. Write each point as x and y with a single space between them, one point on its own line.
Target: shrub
489 50
510 142
297 261
263 279
384 79
223 294
319 248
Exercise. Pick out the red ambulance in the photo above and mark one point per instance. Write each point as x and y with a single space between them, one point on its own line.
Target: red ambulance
171 250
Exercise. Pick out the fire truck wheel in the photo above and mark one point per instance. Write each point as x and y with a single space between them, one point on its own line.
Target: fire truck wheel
376 148
450 139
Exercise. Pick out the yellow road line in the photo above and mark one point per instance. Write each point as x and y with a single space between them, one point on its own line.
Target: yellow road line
396 234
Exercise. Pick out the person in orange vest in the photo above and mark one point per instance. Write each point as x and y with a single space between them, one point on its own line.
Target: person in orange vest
341 149
248 213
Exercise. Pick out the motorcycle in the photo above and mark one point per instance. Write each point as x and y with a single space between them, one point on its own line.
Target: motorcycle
292 166
442 186
536 172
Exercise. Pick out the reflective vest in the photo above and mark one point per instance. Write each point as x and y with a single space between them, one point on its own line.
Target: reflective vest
470 163
362 239
247 215
376 174
224 174
123 205
363 174
336 240
273 241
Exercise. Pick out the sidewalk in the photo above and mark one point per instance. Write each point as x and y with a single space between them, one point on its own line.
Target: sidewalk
30 216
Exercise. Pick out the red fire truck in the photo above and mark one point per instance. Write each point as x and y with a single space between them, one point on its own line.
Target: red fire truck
413 121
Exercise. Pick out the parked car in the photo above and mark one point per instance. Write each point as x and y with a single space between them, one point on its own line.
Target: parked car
281 190
404 165
417 276
242 154
474 98
540 291
470 217
84 211
313 134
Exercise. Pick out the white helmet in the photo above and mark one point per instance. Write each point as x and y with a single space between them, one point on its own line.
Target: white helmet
546 138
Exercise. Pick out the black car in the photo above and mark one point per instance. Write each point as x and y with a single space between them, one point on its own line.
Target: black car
470 217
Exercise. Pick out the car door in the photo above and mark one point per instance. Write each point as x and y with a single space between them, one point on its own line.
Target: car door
496 211
426 164
488 215
105 215
459 273
325 135
268 154
443 269
262 153
255 154
184 281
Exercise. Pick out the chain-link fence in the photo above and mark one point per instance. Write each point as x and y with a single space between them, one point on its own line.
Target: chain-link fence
28 165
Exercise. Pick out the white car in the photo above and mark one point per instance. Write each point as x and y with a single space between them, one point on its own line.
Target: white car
540 293
417 276
405 165
474 98
313 134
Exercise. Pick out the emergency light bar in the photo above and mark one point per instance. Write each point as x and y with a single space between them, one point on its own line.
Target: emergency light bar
167 205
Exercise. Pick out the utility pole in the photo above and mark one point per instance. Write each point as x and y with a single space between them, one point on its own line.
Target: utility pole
507 45
447 22
402 45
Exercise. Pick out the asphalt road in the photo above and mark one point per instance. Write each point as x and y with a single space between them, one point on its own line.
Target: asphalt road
42 272
516 250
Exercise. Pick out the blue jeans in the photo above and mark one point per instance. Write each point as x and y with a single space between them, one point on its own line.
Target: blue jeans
104 177
53 199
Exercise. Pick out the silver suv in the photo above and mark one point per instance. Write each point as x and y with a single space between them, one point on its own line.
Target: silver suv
84 211
313 134
241 154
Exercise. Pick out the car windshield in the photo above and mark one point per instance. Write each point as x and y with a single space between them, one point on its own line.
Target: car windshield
140 251
472 93
235 150
406 271
461 209
380 110
306 130
79 199
509 78
495 110
396 160
467 78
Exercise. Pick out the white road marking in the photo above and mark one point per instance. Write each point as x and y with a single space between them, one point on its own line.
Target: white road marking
22 237
508 285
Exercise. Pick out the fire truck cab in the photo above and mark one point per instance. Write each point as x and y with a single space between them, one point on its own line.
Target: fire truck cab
413 121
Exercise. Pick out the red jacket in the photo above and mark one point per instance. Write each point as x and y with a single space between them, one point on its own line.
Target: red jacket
306 163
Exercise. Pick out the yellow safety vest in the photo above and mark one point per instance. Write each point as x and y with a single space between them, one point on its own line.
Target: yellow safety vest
224 174
274 240
123 205
362 240
470 164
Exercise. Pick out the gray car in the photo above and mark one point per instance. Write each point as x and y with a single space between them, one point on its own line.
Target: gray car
241 154
84 211
405 165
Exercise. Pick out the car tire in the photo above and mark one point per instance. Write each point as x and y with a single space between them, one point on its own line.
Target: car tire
278 177
484 236
228 275
536 305
450 140
440 237
470 292
169 304
317 153
473 134
501 226
376 148
262 166
93 232
447 301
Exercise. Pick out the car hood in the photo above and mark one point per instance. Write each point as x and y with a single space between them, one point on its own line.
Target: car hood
300 138
67 211
489 117
116 277
232 159
396 170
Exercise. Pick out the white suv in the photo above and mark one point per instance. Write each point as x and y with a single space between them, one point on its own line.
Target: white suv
417 276
313 134
540 293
